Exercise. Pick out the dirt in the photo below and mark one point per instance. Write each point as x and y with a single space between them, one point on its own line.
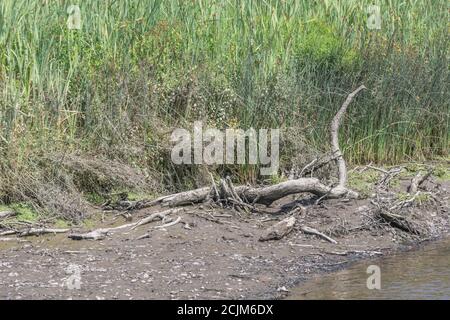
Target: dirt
213 254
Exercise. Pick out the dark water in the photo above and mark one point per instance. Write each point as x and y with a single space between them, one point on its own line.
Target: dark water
418 274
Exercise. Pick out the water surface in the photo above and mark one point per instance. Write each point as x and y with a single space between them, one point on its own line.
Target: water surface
418 274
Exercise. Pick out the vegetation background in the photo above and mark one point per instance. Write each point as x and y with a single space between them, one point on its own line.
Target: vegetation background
87 112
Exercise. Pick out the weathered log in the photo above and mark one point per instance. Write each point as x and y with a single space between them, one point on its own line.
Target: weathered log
188 197
263 195
7 214
40 231
8 232
279 230
13 239
334 130
98 234
417 180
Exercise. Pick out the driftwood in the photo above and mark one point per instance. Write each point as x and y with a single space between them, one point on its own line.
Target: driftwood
155 216
169 224
40 231
8 233
13 239
7 214
313 231
32 232
344 253
242 198
387 212
101 233
417 181
263 195
269 194
399 222
279 230
98 234
334 129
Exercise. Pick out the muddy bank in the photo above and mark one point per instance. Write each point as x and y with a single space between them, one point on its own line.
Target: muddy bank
212 254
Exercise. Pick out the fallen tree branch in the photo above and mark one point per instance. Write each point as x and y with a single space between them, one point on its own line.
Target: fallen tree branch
344 253
154 216
279 230
40 231
168 224
399 222
417 181
101 233
267 195
13 239
98 234
313 231
7 214
8 232
147 234
263 195
334 129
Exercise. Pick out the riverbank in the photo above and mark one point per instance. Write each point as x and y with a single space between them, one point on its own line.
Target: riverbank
211 253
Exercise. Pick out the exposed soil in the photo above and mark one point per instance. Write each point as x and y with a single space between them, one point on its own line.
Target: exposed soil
216 255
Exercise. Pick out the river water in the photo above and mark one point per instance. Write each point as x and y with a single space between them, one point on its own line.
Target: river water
419 274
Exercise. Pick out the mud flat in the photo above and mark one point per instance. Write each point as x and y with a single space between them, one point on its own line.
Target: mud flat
211 253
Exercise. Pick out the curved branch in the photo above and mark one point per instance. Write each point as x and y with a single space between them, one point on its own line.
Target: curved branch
334 128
